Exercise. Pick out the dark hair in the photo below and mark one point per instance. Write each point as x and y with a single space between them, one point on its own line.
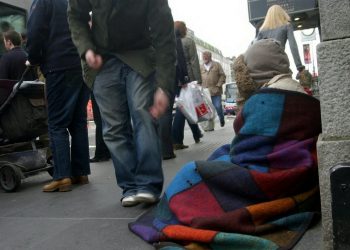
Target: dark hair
5 26
14 37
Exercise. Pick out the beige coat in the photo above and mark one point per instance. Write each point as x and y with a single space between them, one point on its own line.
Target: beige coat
285 81
213 79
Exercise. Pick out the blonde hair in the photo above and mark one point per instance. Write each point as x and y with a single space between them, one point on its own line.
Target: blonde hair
276 16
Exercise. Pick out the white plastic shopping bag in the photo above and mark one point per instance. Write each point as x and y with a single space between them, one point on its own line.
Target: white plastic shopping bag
207 98
193 104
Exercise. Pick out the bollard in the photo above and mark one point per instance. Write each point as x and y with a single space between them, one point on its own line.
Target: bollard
340 190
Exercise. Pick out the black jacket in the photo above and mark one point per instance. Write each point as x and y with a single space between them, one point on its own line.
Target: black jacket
12 65
49 40
181 65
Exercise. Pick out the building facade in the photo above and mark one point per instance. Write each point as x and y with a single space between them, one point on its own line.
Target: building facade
217 56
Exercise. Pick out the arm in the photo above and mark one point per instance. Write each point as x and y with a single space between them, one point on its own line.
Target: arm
163 39
38 30
222 76
78 20
293 46
194 61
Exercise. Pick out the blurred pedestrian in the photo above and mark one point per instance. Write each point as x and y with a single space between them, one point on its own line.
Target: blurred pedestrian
12 63
213 77
132 46
187 59
50 45
277 26
101 150
306 80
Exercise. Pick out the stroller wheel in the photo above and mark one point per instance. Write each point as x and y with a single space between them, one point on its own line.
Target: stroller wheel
10 178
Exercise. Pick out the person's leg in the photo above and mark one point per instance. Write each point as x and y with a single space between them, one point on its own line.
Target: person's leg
101 150
140 93
62 96
178 130
78 129
208 125
218 106
110 93
60 99
165 124
196 132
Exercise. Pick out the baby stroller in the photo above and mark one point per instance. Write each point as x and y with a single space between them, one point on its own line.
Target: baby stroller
23 119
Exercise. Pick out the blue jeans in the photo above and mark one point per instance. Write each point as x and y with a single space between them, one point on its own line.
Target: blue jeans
124 96
218 106
179 126
67 97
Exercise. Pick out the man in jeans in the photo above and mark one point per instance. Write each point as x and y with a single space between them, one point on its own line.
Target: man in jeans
213 77
132 46
50 45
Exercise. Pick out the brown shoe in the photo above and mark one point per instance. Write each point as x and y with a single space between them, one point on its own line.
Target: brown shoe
62 185
83 179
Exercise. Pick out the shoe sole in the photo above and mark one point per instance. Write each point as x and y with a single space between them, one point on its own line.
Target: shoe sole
63 188
130 203
180 148
146 200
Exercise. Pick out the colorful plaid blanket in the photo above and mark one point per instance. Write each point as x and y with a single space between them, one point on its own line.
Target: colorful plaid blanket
260 192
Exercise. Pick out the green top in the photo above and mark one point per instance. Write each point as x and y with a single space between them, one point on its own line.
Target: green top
138 32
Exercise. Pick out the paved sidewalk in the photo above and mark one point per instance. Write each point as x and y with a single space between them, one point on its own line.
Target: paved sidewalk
91 217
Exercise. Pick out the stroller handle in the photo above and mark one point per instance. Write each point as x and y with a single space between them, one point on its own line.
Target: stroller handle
15 90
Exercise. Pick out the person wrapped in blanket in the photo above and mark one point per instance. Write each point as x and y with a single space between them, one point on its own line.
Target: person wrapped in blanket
259 193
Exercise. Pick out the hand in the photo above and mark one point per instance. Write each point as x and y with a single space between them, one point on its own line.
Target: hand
27 63
93 60
160 104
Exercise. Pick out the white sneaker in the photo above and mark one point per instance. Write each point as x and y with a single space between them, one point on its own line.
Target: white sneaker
129 201
146 197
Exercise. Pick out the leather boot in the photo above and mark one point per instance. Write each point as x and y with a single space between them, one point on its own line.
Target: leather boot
83 179
62 185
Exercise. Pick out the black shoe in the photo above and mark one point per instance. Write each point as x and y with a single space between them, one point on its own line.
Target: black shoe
168 157
99 159
222 123
208 130
179 146
199 139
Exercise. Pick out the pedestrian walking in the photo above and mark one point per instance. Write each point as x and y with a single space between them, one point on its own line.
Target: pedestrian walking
50 45
132 46
277 26
101 150
188 63
213 77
